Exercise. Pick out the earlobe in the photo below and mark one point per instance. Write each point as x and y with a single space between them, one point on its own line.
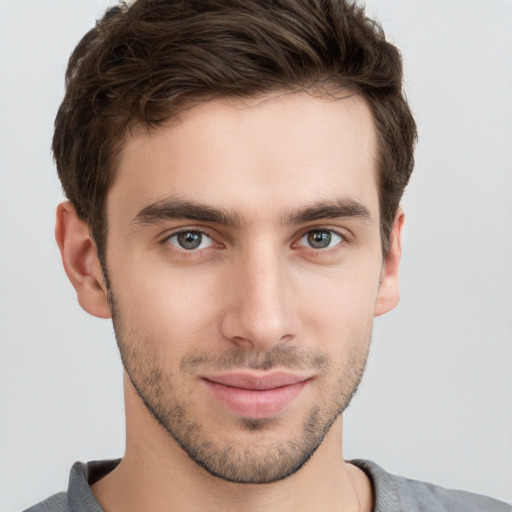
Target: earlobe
388 295
80 260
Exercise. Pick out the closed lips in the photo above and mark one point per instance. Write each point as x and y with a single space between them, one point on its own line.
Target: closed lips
255 397
259 383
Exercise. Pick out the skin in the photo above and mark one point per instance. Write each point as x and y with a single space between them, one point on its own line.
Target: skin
255 294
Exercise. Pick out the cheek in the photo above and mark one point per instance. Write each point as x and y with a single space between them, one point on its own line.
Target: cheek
178 310
341 299
163 307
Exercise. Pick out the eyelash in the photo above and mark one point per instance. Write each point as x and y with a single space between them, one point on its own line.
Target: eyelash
191 253
344 239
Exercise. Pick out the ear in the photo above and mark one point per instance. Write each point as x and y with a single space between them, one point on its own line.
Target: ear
388 295
80 260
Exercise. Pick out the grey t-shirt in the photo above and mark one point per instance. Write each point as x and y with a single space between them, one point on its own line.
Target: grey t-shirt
392 493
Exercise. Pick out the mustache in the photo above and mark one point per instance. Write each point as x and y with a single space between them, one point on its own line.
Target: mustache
290 357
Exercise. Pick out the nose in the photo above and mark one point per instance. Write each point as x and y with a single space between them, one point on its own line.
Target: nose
260 308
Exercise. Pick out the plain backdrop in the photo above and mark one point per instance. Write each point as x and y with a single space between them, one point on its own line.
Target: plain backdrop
436 401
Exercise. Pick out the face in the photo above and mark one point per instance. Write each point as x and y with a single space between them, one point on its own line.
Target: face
245 270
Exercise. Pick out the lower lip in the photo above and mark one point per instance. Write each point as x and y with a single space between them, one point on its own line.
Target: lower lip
255 404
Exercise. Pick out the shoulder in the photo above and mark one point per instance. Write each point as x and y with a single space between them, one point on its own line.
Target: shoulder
56 503
398 494
423 496
79 497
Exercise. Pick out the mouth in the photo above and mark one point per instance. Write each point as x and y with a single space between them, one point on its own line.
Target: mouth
255 396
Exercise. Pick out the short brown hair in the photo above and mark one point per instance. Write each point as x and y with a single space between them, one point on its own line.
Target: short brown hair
142 62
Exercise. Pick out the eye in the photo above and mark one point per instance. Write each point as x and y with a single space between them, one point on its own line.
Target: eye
190 240
321 239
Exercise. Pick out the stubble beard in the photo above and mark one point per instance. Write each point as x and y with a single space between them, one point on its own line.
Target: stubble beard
260 460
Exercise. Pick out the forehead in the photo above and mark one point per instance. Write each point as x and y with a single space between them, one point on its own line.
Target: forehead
268 154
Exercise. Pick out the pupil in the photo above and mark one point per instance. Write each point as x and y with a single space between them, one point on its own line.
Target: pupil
319 239
189 240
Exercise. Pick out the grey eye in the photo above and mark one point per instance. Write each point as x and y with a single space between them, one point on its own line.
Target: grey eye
321 239
190 240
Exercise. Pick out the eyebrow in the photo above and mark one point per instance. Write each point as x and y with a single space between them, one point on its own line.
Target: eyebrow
180 209
341 208
174 209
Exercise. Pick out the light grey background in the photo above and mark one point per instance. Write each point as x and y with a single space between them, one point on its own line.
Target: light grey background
436 402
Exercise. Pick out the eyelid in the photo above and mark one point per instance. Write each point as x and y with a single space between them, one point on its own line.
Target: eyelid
342 232
164 239
165 235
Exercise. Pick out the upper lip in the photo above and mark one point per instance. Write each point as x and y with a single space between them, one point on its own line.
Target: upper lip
254 381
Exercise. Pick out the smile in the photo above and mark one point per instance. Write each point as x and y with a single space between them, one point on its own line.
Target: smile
256 397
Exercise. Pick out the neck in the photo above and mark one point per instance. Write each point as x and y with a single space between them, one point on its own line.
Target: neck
156 474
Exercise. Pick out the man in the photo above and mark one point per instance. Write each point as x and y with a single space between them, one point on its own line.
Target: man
234 172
